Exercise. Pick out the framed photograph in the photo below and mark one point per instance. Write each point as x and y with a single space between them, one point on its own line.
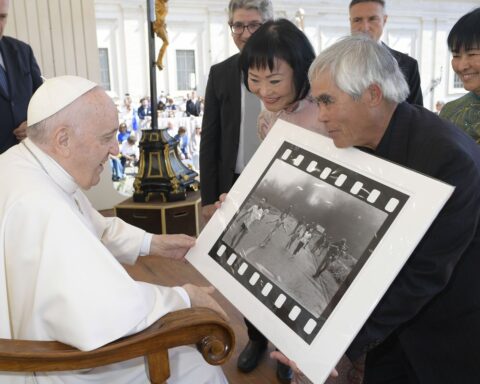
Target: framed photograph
309 239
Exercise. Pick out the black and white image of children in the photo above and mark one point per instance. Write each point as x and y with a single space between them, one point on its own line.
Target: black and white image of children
303 234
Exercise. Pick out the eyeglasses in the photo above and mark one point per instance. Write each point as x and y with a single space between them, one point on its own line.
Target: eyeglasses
239 28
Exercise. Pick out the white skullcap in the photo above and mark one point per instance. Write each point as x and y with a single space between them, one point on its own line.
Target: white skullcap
54 95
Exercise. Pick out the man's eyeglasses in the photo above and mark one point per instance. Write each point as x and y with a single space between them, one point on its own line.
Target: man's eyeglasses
238 28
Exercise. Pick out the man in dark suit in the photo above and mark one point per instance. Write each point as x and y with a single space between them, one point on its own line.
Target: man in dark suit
369 17
193 107
224 99
229 130
425 329
19 78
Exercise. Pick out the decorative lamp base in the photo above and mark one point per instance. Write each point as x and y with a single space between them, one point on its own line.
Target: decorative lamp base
160 171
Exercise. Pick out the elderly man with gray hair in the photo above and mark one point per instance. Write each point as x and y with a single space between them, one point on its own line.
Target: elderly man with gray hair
425 329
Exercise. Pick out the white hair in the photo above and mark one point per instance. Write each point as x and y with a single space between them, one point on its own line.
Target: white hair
356 62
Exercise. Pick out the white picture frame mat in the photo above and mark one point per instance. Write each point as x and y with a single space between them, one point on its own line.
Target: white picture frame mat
427 197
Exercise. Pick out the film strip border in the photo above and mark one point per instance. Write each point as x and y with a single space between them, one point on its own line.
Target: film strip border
374 193
293 314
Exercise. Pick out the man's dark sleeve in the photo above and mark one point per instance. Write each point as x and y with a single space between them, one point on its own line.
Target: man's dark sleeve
415 96
430 267
210 143
34 71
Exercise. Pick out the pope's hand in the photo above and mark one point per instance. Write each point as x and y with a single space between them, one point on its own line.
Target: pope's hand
171 246
201 297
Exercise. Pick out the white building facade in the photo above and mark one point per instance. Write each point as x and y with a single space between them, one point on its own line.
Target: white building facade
199 37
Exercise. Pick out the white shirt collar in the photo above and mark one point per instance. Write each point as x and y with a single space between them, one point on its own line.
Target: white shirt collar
63 179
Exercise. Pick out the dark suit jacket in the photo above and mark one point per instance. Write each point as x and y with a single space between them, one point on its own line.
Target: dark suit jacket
409 67
193 108
24 78
142 112
433 305
220 129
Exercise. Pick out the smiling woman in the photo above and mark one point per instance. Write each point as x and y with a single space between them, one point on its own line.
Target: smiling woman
275 64
464 43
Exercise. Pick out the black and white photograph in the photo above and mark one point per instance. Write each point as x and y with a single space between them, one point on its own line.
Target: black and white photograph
303 232
309 239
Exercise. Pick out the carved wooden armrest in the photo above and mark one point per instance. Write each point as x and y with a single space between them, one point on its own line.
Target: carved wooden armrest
199 326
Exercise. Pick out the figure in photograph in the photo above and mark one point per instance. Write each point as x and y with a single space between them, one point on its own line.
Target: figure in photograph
278 223
252 215
296 232
304 240
335 250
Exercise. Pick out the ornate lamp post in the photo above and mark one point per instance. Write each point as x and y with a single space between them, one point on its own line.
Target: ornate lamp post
160 172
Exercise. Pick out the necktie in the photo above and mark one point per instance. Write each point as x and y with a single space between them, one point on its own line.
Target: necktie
4 81
251 140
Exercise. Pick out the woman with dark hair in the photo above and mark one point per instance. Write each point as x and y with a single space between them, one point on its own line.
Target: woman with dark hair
464 43
274 63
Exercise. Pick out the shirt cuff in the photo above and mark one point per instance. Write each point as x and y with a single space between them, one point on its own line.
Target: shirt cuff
145 247
182 292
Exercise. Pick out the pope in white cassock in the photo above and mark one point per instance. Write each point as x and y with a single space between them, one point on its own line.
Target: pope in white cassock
60 272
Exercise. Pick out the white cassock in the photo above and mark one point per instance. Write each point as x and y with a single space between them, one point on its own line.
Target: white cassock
59 263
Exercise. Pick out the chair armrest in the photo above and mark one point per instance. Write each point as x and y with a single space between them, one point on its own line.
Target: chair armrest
201 326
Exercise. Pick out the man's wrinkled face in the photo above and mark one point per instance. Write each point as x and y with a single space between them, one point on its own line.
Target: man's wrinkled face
368 18
347 120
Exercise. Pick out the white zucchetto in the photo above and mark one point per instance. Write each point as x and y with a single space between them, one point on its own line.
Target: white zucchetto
54 95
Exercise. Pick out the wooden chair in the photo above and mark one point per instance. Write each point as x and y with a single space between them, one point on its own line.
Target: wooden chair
200 326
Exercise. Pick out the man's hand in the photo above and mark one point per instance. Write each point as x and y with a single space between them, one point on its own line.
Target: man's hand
171 246
201 297
298 376
209 210
21 131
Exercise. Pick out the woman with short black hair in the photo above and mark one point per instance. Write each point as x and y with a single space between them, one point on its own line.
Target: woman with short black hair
275 63
464 43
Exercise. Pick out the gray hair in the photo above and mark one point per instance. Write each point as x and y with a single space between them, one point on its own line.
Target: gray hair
38 132
356 62
355 2
264 7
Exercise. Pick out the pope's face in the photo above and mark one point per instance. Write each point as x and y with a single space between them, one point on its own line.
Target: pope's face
368 18
94 139
244 17
466 64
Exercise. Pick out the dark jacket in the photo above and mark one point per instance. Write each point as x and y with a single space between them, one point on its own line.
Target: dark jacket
433 306
220 130
24 78
409 68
